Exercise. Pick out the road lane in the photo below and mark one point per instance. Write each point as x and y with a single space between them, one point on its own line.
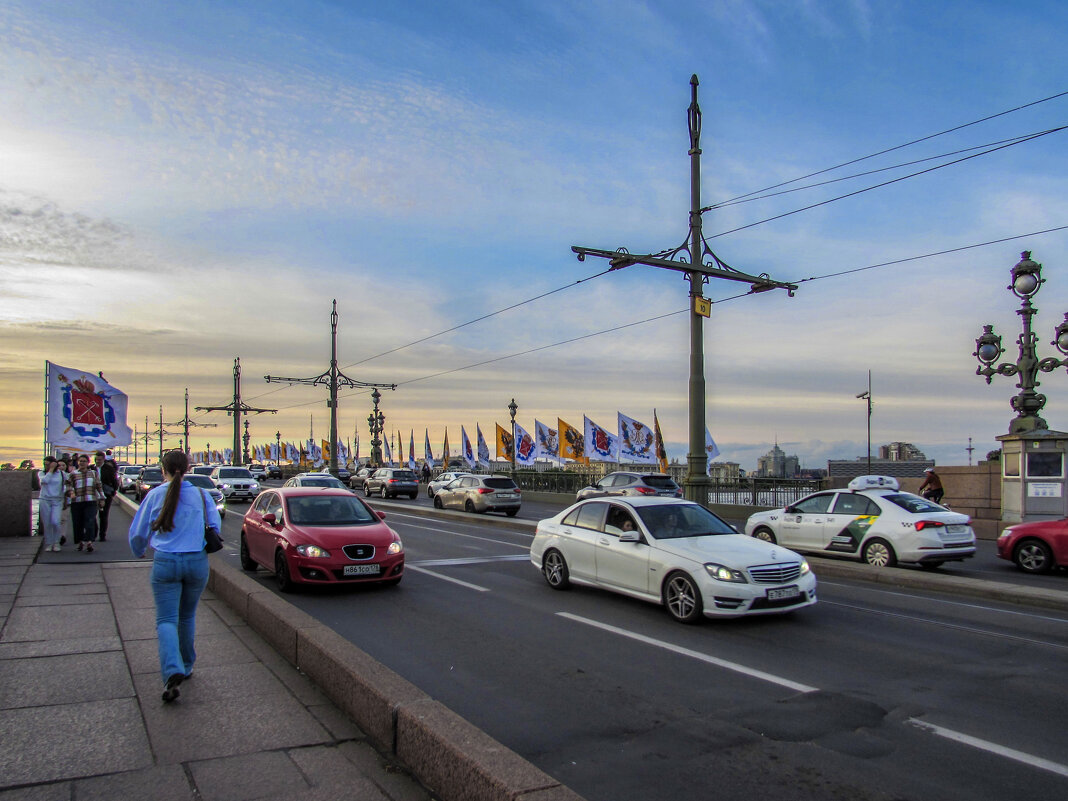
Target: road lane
617 717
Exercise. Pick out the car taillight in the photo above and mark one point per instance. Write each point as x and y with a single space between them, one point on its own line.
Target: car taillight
392 481
484 490
646 491
922 524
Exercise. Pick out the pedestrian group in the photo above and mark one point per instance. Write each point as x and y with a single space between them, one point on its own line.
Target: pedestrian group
86 490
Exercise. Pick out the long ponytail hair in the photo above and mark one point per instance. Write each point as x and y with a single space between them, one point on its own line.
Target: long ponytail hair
176 463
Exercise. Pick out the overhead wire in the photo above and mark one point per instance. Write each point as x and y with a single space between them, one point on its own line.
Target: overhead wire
902 146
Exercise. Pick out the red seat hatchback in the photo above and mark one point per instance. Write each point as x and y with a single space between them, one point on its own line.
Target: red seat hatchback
314 535
1036 547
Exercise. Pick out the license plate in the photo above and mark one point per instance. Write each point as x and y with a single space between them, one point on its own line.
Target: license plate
956 529
505 496
362 570
783 592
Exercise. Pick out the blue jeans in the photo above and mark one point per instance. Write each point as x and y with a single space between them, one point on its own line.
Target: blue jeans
178 579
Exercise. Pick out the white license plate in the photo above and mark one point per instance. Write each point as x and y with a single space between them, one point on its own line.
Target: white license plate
783 592
505 496
956 529
362 570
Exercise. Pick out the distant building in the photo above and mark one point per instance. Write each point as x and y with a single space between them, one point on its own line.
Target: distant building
901 452
776 464
898 468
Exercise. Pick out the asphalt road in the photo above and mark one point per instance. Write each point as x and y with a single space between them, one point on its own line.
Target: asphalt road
874 693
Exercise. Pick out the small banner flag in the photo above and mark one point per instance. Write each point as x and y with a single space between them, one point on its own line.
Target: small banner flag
661 451
386 450
524 447
548 442
445 451
411 450
428 455
468 451
504 443
572 442
601 445
712 450
637 442
483 448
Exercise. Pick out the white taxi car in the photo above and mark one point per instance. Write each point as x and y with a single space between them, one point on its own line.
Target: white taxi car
671 552
872 520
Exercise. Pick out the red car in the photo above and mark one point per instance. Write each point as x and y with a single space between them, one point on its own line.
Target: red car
319 535
1036 547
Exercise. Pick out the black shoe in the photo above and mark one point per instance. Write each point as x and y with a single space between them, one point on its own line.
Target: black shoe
170 691
62 539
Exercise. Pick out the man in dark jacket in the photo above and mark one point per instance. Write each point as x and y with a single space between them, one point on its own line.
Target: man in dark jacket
109 481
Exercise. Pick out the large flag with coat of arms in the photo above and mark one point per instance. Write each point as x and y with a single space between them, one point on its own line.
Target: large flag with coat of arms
525 451
548 442
84 411
637 442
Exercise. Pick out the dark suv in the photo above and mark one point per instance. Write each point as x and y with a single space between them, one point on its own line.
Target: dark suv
649 484
148 479
389 482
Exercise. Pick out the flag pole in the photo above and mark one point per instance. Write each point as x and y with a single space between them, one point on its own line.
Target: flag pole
44 443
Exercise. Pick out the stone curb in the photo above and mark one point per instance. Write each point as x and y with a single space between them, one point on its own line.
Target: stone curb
447 754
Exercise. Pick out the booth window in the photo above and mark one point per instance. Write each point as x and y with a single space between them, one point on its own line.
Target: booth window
1045 465
1011 464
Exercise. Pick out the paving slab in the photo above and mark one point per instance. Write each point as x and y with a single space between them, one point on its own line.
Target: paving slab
37 745
67 679
248 776
29 623
164 783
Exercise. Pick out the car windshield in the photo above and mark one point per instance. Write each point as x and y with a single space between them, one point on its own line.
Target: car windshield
913 503
235 472
324 481
152 474
673 521
329 511
200 481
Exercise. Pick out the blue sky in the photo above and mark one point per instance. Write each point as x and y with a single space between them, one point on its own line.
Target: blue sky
183 185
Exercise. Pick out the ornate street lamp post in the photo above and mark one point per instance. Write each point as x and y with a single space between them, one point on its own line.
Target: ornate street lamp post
376 423
245 438
1026 281
278 451
512 409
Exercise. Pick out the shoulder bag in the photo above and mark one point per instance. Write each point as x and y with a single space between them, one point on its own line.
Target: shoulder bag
212 541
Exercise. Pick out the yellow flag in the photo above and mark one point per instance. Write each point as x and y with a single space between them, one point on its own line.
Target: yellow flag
661 452
445 450
326 450
504 443
572 442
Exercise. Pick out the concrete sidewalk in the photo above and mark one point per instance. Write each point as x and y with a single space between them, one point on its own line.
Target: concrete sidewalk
80 707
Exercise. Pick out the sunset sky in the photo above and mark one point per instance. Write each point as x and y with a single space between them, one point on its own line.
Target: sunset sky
183 184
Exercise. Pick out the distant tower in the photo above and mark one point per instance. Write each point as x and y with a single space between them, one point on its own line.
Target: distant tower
969 449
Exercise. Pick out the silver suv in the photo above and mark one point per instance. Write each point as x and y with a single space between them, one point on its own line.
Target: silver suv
623 483
389 482
480 494
235 482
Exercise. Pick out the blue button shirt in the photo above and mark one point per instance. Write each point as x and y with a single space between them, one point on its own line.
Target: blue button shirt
187 536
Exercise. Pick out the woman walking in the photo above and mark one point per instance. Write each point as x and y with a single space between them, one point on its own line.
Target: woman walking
172 519
52 498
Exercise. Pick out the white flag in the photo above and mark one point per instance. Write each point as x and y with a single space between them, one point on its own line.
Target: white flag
712 449
601 446
637 442
548 442
524 447
84 411
483 447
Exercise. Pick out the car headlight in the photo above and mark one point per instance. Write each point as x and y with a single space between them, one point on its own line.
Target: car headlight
225 485
1007 532
395 547
724 573
313 551
805 569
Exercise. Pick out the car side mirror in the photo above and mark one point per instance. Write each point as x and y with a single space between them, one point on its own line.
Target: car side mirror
630 536
790 510
270 519
381 514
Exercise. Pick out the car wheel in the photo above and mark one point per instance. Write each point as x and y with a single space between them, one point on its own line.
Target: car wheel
878 553
437 502
512 512
1033 556
764 533
468 506
554 568
246 561
281 573
383 492
682 598
366 491
429 492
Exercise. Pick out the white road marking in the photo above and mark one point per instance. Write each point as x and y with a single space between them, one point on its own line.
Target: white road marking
472 560
440 530
992 748
723 663
446 578
874 590
955 626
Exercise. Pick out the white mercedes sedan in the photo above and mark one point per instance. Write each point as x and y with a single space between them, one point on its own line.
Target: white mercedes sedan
670 552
